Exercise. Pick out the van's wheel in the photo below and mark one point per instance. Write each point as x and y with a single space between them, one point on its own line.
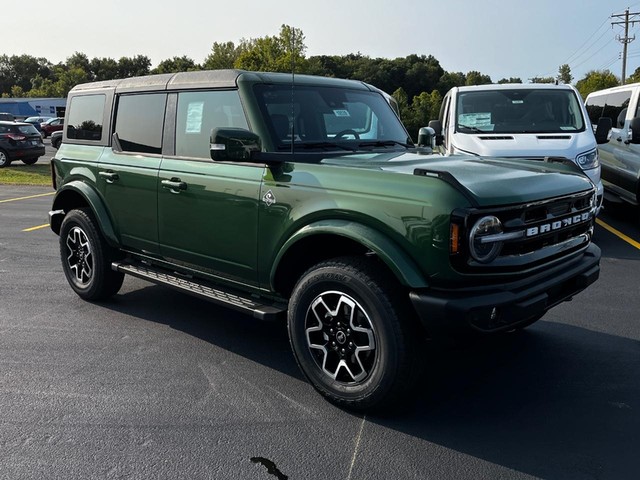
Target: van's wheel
30 161
5 161
86 257
353 334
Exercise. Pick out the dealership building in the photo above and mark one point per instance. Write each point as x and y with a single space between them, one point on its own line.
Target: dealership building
22 108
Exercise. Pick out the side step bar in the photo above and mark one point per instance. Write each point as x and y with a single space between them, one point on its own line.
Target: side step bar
233 299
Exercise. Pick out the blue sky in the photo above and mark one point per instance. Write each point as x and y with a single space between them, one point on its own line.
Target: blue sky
512 38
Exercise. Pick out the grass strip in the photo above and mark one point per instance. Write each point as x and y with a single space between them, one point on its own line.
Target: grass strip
38 174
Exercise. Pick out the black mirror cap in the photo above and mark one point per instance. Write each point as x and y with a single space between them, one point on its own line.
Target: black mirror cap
634 130
437 128
427 137
233 144
602 130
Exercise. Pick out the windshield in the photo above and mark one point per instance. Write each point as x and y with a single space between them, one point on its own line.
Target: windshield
519 111
328 118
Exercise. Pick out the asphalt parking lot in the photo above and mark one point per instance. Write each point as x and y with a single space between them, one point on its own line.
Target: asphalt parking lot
157 384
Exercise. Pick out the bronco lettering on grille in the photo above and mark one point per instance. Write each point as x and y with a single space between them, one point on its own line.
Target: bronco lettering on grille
558 224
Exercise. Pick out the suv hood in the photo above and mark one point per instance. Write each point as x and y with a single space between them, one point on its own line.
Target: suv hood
489 181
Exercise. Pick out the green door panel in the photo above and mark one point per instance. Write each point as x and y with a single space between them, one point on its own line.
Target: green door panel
211 224
129 183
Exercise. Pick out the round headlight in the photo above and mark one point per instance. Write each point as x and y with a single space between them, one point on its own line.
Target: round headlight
483 248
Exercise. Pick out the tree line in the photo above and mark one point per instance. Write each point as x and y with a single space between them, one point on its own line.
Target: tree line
418 82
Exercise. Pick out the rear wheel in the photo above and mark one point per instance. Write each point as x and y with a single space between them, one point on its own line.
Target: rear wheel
351 334
5 161
86 257
30 161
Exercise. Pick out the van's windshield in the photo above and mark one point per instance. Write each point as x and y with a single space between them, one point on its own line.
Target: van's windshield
519 111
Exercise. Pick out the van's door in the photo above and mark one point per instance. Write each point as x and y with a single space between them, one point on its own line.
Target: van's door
619 159
208 211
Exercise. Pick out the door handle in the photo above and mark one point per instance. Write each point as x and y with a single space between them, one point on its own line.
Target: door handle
174 185
109 176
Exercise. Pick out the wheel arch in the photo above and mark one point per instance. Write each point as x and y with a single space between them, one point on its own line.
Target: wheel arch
78 195
329 239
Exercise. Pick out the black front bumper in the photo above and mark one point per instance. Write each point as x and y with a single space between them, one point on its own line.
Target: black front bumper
503 307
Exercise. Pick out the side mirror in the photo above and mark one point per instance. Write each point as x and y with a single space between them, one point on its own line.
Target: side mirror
427 137
634 131
436 125
602 130
233 144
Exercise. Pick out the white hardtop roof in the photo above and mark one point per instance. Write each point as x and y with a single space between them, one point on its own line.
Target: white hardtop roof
514 86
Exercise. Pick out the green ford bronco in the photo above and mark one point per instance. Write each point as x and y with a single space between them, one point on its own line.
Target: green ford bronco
304 198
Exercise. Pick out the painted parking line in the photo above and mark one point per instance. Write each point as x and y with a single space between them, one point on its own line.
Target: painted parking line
26 198
35 228
618 233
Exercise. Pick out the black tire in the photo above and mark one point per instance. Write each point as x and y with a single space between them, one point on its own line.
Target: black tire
55 142
30 161
352 334
86 257
5 161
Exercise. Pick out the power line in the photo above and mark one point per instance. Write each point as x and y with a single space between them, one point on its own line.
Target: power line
585 42
593 54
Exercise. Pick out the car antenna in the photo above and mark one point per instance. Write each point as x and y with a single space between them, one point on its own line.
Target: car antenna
293 84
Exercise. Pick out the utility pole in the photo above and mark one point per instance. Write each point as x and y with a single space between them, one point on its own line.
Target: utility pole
626 40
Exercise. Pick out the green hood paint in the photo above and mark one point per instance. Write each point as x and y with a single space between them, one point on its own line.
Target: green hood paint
520 181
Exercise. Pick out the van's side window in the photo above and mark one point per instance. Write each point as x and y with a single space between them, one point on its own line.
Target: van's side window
85 117
615 107
200 112
139 122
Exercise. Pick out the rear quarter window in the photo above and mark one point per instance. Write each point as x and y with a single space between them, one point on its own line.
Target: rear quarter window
85 117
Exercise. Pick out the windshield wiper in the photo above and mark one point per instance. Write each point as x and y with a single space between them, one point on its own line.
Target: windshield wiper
473 129
384 143
324 145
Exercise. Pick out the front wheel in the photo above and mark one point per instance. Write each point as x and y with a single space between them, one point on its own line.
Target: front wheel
351 334
5 161
86 257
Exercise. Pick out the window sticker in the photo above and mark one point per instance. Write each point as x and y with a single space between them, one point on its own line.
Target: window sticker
477 119
517 102
194 117
341 113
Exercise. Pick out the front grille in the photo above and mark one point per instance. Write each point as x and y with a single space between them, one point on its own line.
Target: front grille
536 233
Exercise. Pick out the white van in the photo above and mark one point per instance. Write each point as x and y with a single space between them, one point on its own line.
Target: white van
620 153
519 120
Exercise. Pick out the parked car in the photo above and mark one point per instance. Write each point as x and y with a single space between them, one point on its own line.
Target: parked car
620 152
52 125
310 201
519 121
19 141
36 121
7 117
56 139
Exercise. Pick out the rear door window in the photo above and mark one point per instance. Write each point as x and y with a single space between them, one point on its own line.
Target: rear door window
139 122
86 114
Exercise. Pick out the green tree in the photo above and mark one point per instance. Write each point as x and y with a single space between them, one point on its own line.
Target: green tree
223 55
635 77
477 78
20 69
134 66
564 74
103 68
596 80
274 54
542 80
510 80
176 64
448 80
